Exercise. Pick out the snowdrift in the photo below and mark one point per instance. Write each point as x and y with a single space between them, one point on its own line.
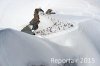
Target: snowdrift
21 49
91 28
83 38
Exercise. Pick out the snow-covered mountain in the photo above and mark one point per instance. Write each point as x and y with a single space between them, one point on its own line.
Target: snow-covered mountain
73 32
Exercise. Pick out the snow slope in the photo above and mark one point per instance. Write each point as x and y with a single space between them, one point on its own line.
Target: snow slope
92 30
79 42
89 26
83 38
20 49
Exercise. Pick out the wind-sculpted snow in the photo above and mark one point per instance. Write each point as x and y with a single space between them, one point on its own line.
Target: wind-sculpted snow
83 39
21 49
91 28
80 43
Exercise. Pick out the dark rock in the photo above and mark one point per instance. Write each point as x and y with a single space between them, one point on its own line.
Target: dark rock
28 30
35 27
49 11
35 21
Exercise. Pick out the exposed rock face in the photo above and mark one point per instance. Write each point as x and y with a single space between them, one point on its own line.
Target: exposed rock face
49 11
27 29
34 22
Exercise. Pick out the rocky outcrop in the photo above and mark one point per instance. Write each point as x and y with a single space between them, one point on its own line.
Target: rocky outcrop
34 22
50 11
28 30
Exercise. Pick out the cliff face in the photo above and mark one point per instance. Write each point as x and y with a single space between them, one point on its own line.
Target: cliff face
35 20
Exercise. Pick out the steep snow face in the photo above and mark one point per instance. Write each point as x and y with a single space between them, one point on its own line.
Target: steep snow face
16 14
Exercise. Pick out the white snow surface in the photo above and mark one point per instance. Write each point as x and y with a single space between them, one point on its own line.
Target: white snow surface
21 49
